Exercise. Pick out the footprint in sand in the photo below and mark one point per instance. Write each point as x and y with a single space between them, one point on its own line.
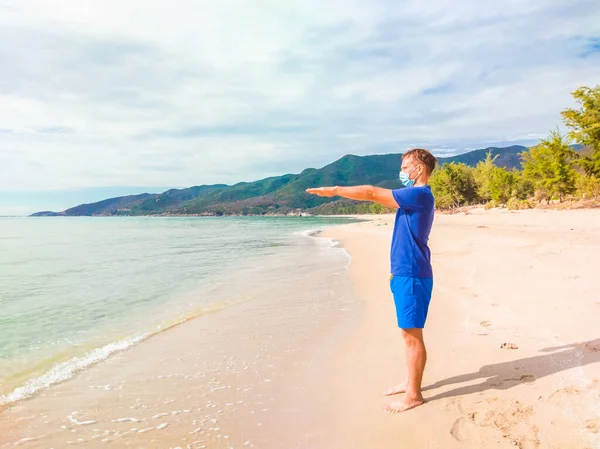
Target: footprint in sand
593 425
511 419
561 394
465 429
485 323
459 431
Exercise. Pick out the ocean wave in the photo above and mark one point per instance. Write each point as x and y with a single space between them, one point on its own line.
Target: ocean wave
65 370
316 235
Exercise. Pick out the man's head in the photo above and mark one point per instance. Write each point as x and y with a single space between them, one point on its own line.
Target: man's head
418 165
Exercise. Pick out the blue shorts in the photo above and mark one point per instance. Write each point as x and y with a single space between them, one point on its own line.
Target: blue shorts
411 297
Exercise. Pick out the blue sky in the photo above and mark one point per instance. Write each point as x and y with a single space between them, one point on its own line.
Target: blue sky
107 98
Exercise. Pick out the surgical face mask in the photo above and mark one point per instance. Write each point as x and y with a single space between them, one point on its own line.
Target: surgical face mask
405 178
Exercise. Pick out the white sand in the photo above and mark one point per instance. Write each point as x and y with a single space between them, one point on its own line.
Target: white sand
529 278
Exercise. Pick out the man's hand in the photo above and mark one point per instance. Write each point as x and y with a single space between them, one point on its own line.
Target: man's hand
323 191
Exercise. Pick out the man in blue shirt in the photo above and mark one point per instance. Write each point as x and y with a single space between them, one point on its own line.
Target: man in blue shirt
411 280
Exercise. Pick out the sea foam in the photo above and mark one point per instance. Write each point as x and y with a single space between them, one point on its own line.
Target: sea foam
65 370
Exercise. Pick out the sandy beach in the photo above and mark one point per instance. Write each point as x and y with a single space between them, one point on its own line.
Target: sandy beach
525 280
512 335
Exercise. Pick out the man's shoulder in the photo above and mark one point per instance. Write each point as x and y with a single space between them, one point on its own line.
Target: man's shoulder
426 189
414 198
424 193
424 196
414 190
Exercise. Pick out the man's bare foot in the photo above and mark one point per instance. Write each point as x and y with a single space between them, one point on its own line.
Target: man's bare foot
396 389
404 405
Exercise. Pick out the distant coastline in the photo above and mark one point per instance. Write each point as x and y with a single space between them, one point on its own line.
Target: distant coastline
281 195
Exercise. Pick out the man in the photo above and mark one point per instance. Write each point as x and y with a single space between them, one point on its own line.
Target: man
411 280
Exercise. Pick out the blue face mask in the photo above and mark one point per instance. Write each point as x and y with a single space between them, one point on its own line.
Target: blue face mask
405 178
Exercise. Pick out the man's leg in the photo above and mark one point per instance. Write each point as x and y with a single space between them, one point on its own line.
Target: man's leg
416 358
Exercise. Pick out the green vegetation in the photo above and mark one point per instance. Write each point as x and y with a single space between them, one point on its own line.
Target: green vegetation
584 125
282 194
549 165
454 185
552 170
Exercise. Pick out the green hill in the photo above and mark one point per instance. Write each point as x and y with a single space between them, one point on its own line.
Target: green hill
279 194
508 157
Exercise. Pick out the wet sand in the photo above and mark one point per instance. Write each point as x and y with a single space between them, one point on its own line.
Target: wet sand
255 374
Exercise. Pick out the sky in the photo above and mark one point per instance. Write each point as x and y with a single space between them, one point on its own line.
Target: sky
106 98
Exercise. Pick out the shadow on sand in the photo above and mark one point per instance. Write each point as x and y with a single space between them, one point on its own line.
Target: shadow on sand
505 375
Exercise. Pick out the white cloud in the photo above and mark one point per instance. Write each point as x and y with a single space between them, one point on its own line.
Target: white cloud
185 92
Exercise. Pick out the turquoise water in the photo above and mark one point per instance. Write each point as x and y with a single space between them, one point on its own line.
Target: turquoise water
74 290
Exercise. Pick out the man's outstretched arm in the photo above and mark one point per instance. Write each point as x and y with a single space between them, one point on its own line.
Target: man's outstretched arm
360 193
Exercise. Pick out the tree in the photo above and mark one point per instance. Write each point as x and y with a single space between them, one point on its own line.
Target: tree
584 124
483 174
587 187
501 184
549 166
524 188
453 185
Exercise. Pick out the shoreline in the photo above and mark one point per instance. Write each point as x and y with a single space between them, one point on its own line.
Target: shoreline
245 364
23 376
503 279
592 203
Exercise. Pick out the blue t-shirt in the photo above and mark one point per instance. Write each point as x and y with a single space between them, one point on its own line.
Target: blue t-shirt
410 255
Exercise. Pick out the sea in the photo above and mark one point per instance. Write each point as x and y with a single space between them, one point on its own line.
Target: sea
75 290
